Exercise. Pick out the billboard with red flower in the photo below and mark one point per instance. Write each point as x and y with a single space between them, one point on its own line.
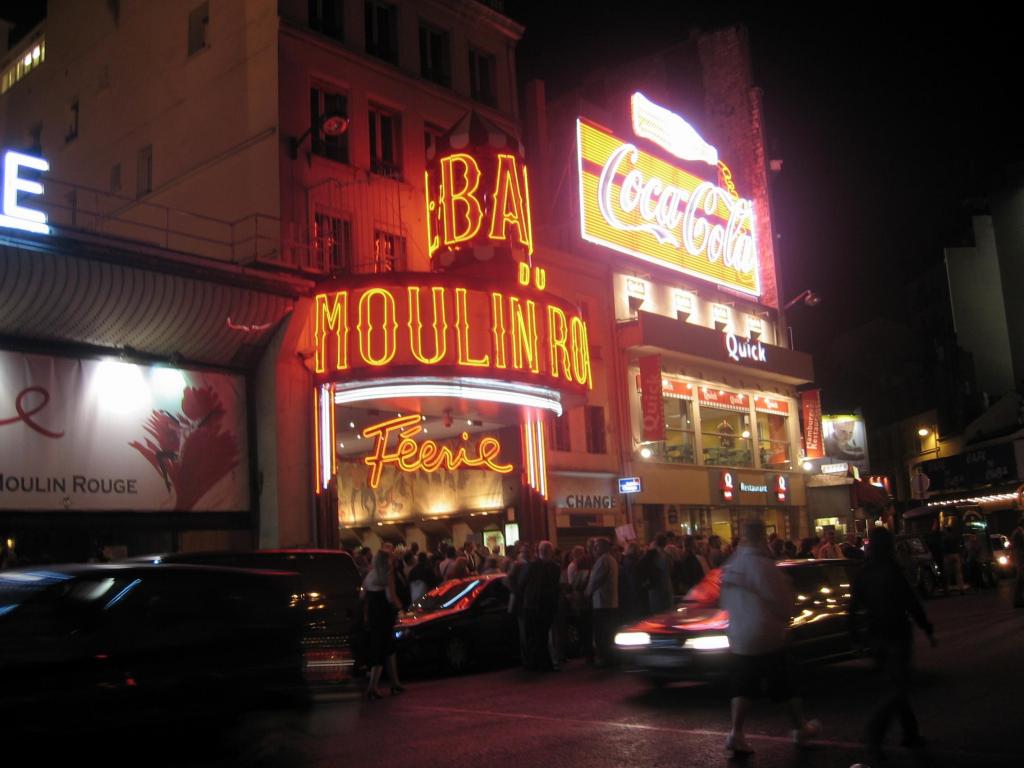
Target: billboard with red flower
107 434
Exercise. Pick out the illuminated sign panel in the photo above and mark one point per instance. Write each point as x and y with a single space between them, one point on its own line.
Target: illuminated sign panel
15 215
636 203
478 199
427 456
430 324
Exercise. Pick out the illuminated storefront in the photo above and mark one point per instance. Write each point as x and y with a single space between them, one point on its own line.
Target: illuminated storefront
713 417
432 388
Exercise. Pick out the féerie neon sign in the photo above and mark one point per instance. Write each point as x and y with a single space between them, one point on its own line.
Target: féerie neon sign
637 203
428 455
15 215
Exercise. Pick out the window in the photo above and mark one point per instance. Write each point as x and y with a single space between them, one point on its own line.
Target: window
72 132
385 144
435 55
381 37
431 135
144 171
481 77
678 446
773 440
322 101
595 429
115 178
388 252
326 17
726 437
558 432
332 243
24 64
198 26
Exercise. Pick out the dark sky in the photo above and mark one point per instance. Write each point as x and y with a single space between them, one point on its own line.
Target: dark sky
888 127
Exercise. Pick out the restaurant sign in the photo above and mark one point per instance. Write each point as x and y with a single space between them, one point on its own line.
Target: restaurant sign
635 202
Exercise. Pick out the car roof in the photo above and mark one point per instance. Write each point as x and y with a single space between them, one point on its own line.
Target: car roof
83 570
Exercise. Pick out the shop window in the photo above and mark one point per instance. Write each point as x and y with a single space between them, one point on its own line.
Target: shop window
435 55
323 101
385 143
557 428
481 77
381 31
773 440
388 252
144 171
679 444
726 437
198 27
327 18
595 429
332 243
22 65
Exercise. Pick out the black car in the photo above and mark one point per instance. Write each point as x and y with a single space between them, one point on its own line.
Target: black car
459 624
99 645
918 564
328 595
690 641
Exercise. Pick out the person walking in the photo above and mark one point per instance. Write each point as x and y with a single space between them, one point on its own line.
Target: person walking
541 587
1017 547
444 569
381 610
952 561
715 555
759 599
603 591
883 600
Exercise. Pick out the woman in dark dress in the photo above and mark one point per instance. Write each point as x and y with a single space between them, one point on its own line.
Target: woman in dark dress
382 608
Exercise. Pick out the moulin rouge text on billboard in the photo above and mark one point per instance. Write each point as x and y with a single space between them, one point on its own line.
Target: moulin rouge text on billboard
639 204
431 323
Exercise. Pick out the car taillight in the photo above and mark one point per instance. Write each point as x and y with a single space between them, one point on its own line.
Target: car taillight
327 665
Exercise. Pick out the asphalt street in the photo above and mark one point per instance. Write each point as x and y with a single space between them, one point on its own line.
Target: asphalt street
967 697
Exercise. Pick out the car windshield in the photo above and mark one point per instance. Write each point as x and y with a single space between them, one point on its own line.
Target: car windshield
453 594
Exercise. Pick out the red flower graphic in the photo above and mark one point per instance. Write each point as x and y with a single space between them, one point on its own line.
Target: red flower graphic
188 449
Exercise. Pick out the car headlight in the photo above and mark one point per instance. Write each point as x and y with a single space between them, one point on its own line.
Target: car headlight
1003 559
632 639
400 633
707 643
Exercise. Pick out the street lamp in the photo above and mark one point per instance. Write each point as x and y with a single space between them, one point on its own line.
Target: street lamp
807 296
923 432
330 124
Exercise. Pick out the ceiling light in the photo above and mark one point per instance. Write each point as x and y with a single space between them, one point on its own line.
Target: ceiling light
352 425
923 432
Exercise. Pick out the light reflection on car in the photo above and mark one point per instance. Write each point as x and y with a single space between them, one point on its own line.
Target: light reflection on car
690 642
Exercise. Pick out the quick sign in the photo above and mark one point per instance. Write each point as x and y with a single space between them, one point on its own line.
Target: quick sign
727 484
629 485
740 349
634 202
15 185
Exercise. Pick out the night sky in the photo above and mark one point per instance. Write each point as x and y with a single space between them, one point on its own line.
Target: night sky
892 130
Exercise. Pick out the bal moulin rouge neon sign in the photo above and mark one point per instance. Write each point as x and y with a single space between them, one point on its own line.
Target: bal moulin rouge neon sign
637 203
428 455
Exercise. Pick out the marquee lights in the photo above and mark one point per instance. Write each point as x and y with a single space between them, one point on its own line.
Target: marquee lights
428 455
634 202
15 215
516 331
458 209
508 393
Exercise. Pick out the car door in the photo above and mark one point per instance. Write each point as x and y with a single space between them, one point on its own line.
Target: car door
819 630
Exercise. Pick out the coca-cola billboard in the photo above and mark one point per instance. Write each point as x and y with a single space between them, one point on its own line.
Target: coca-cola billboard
688 219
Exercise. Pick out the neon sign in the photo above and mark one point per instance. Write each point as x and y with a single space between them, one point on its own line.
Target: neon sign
15 215
740 349
429 322
428 455
634 202
478 200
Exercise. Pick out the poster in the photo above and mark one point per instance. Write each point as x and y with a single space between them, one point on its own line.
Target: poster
846 440
106 434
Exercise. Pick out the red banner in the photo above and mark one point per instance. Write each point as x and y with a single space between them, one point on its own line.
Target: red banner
652 408
723 398
764 404
810 406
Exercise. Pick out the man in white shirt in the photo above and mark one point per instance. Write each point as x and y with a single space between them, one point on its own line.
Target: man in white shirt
759 599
